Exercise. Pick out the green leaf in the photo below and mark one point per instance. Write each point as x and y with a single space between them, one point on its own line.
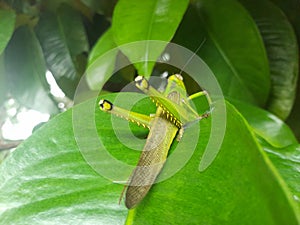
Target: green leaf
239 180
291 9
104 44
233 48
143 21
293 120
268 126
106 60
63 39
53 184
3 83
7 23
105 67
282 50
25 71
47 181
287 162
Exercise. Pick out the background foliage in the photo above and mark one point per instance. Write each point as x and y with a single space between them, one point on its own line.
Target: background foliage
250 45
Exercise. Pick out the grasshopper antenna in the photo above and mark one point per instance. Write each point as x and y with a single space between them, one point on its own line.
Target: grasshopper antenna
195 52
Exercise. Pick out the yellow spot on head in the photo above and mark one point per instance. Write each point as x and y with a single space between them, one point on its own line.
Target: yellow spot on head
105 105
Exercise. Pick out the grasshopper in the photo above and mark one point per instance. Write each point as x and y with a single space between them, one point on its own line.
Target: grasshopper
173 114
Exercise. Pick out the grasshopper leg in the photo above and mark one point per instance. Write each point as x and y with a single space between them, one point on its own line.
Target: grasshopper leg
138 118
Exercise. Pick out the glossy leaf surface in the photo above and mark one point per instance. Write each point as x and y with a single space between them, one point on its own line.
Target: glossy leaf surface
7 23
281 45
105 67
233 47
146 20
267 125
53 182
63 39
25 71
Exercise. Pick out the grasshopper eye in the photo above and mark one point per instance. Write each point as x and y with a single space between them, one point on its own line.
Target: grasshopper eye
179 77
105 105
175 77
141 83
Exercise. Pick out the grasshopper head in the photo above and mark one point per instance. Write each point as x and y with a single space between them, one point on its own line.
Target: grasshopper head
141 83
177 79
105 105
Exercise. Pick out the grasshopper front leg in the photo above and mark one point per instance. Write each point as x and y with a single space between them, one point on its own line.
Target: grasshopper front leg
134 117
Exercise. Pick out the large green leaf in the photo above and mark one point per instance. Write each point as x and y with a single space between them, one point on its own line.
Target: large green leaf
7 23
233 47
146 20
63 39
223 188
25 71
105 66
282 49
46 180
267 125
292 11
287 161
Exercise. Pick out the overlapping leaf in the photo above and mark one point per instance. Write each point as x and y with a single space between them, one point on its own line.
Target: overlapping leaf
53 182
3 84
146 20
287 162
25 71
7 22
233 47
105 66
282 49
267 125
63 39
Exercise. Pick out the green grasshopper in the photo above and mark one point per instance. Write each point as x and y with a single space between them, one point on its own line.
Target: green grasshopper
173 114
